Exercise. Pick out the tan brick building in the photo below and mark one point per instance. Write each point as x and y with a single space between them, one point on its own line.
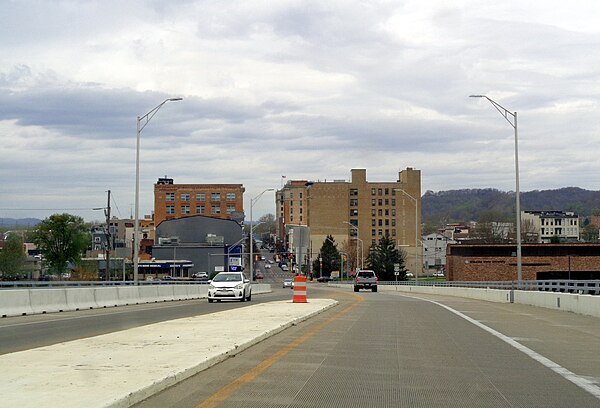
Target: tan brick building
225 201
498 262
374 209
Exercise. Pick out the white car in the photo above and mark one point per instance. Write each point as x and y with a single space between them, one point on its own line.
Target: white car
268 266
229 286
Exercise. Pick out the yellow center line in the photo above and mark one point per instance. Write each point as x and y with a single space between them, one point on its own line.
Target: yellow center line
225 392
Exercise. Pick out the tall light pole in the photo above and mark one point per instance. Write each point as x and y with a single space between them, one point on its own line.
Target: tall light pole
142 121
416 231
252 201
511 118
357 239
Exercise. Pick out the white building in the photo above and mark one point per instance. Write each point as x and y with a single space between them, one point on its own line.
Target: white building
548 224
434 252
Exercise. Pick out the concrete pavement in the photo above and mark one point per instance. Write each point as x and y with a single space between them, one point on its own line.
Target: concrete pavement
121 368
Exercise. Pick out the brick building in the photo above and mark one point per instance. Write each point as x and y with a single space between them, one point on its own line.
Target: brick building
498 262
172 201
373 210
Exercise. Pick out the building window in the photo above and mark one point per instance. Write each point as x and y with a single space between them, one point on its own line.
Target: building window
170 209
354 202
97 247
97 239
291 218
353 212
230 209
393 212
300 210
387 222
185 197
380 222
373 202
185 209
300 195
353 192
372 213
380 201
291 195
199 209
200 197
379 191
393 222
373 191
380 212
387 202
387 212
231 196
215 209
215 197
393 233
380 233
387 191
393 202
373 232
373 222
170 197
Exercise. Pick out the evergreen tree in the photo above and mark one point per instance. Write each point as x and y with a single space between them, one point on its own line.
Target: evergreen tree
330 257
382 258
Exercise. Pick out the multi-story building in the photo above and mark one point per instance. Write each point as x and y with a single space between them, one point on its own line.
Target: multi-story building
434 252
171 201
551 224
355 211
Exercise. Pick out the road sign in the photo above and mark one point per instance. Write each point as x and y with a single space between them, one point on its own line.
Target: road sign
396 267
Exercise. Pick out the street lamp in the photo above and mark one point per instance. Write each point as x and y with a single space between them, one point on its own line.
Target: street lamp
511 118
252 201
416 232
357 239
136 234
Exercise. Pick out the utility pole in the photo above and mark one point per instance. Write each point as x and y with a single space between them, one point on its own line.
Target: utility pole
108 238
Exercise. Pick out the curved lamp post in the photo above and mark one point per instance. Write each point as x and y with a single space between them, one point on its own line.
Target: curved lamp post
511 118
142 121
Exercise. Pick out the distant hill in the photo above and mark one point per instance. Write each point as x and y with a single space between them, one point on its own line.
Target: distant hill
469 204
18 222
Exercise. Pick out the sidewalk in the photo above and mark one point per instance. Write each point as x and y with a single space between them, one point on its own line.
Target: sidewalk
121 368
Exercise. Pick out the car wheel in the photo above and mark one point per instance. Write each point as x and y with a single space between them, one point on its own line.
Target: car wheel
210 300
250 296
355 289
374 288
243 299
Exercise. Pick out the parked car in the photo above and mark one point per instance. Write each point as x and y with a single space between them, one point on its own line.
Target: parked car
284 267
267 266
200 275
288 283
229 285
259 275
409 275
438 274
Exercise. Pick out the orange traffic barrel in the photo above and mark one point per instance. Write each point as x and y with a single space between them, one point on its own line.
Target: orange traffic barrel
299 289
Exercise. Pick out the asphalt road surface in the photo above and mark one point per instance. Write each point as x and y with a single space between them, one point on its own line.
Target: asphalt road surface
388 350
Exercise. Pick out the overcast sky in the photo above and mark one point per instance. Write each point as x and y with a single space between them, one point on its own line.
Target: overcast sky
302 89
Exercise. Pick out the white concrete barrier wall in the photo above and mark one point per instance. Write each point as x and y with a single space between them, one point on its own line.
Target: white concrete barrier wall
106 296
80 299
48 300
15 302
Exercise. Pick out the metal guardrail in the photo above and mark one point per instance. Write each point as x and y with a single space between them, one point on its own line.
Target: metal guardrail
77 284
582 287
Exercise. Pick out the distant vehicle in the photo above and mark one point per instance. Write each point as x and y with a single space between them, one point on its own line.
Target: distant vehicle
365 279
259 275
409 275
439 274
200 275
325 279
267 266
288 283
284 267
229 285
271 261
262 257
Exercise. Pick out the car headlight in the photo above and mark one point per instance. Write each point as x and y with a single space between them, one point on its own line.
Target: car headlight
211 287
239 286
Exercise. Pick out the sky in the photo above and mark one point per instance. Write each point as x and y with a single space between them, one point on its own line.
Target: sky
303 89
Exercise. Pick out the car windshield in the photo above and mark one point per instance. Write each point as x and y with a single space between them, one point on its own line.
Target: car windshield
228 277
366 274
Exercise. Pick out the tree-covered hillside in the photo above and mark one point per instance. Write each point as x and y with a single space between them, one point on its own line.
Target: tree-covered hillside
468 205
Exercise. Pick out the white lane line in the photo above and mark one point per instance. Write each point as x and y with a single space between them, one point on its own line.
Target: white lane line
581 382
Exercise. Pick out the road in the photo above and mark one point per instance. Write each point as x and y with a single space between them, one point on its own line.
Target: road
388 350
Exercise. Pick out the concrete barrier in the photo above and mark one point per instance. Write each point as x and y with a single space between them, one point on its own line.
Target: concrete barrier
148 294
106 296
48 300
80 299
15 302
569 302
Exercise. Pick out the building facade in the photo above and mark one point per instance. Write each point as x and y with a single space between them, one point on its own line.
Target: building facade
356 213
498 262
548 225
434 252
172 201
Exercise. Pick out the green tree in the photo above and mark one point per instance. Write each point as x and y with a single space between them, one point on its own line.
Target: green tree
62 238
382 258
12 257
590 233
330 257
